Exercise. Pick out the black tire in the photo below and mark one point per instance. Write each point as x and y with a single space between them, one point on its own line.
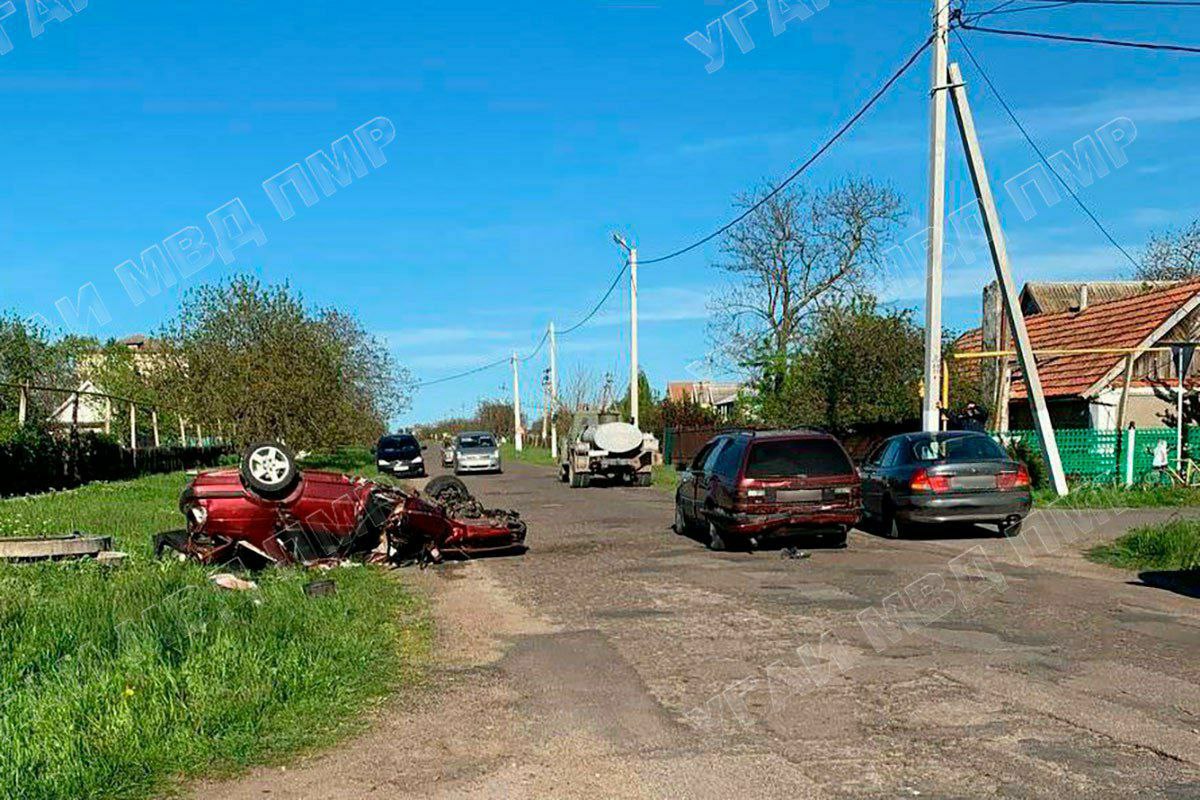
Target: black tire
892 527
268 469
716 540
577 480
446 485
839 540
680 526
644 479
1010 530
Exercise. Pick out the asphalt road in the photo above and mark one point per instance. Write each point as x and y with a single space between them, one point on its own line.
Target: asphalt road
617 659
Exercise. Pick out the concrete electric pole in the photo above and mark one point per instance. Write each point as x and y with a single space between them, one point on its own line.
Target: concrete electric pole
930 414
633 327
553 395
517 441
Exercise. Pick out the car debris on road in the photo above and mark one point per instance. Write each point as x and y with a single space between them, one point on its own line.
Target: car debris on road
268 512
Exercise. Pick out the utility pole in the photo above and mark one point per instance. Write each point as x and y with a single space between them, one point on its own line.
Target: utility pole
1012 303
517 442
930 414
553 394
633 327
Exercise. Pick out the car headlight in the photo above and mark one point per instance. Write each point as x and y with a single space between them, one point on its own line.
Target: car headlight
383 463
418 460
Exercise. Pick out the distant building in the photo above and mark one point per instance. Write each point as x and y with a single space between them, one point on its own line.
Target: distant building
718 395
1084 390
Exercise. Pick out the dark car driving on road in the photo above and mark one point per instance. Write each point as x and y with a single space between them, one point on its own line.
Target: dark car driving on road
400 454
944 478
744 486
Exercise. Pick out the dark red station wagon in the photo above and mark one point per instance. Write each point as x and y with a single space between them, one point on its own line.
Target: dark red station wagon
744 486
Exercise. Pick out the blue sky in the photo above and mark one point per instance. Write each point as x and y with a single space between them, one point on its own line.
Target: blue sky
524 133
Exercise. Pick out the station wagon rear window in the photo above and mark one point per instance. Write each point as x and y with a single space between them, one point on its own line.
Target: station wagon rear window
813 458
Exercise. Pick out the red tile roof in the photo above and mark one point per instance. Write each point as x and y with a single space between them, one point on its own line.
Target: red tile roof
1117 323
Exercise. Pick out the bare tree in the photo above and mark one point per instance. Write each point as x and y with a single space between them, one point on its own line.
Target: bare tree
1172 255
797 253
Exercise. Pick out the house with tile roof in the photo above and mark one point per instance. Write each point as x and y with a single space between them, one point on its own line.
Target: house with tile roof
1084 390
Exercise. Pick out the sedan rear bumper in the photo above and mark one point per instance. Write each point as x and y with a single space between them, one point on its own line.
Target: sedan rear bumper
988 508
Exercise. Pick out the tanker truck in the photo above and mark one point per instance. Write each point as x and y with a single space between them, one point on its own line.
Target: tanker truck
599 445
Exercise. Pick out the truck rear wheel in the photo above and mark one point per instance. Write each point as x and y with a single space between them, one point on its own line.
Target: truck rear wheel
643 479
577 480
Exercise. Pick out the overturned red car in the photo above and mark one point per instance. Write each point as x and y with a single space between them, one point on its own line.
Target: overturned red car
269 512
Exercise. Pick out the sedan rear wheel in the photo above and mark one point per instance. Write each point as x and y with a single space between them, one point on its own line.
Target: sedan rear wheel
1010 529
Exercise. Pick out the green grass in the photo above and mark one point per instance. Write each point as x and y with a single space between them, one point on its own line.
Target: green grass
666 477
1170 546
528 455
1101 496
121 681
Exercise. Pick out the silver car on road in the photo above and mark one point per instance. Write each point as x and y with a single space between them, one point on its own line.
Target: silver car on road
476 451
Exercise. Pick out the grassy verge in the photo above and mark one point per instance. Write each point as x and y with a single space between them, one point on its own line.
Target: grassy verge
1170 546
666 477
120 681
528 455
1097 496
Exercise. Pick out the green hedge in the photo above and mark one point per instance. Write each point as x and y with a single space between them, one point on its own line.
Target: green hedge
34 461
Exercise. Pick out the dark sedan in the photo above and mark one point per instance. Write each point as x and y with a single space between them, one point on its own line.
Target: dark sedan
956 477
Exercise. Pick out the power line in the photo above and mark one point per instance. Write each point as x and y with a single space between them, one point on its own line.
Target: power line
803 167
1060 37
458 375
1048 5
541 343
1041 155
596 309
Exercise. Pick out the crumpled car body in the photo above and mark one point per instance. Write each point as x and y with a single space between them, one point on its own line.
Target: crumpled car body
328 516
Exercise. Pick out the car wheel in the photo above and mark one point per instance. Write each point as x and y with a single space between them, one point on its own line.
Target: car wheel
715 540
268 469
446 487
1010 530
681 525
840 539
644 479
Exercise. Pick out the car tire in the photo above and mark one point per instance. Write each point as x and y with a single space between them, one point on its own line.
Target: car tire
644 479
680 526
1010 530
892 527
716 541
444 485
840 540
268 469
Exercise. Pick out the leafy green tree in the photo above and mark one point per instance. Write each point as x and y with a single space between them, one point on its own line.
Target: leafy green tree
649 414
860 364
264 364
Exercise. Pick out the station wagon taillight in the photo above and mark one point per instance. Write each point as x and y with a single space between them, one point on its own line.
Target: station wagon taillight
922 481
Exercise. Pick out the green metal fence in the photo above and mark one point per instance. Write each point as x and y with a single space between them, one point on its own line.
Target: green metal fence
1100 455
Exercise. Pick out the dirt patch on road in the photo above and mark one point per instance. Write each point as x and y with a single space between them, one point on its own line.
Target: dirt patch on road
456 729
